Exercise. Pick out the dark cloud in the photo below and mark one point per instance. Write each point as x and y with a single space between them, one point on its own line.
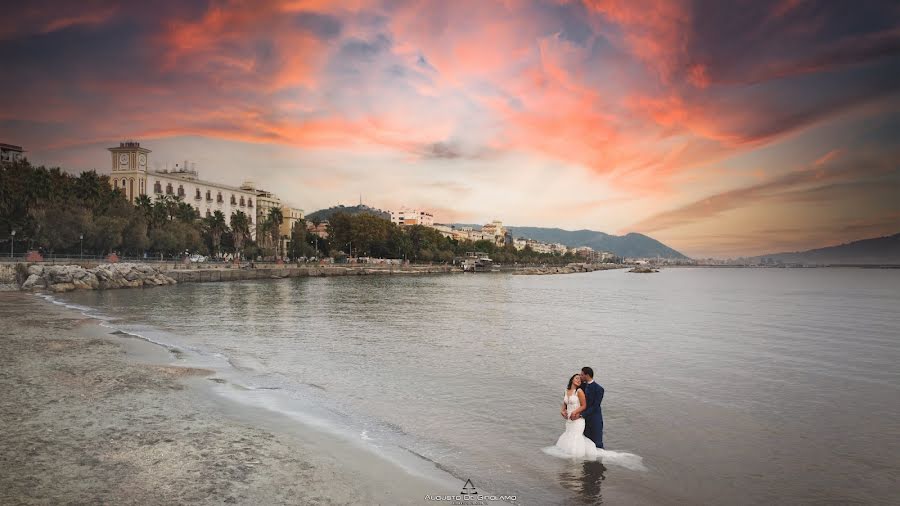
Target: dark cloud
442 151
321 25
451 150
770 40
355 50
836 181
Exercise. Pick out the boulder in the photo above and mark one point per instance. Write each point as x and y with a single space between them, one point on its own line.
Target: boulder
34 281
59 274
62 287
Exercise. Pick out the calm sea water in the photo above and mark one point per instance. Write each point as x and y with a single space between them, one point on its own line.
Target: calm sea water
735 386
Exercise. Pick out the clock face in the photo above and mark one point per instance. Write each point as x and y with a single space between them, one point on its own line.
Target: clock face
142 160
123 160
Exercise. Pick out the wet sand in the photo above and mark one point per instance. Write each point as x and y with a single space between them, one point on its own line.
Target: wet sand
93 417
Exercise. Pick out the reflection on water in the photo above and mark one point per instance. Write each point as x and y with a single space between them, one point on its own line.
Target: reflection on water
585 479
734 386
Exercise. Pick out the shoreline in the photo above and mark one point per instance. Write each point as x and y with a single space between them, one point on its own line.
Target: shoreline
61 278
165 435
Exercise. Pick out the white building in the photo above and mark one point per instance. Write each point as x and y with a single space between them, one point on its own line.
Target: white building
130 173
11 152
405 217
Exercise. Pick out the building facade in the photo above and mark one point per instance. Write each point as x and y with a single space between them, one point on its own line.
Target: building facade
406 217
131 174
11 153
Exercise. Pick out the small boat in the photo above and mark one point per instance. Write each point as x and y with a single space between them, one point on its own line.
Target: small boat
477 261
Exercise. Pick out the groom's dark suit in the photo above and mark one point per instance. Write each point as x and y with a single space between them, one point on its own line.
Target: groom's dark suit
593 413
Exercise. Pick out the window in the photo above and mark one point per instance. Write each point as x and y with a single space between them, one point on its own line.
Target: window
198 196
233 200
157 187
249 202
242 202
219 198
209 195
208 214
180 191
169 189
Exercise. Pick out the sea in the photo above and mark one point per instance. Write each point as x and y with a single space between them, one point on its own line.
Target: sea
731 386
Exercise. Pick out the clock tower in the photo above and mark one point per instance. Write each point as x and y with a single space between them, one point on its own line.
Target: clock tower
129 169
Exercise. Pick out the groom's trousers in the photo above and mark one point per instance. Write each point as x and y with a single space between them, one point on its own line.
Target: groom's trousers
593 429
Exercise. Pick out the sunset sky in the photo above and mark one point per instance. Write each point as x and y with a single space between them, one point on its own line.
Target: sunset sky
720 128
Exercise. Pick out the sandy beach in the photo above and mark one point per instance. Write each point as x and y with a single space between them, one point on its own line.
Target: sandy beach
91 416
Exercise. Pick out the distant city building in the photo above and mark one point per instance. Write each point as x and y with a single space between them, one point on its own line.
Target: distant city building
445 230
291 215
406 217
540 247
11 153
496 232
320 230
584 251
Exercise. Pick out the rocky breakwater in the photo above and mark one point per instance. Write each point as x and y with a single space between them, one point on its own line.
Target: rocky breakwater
567 269
65 278
643 270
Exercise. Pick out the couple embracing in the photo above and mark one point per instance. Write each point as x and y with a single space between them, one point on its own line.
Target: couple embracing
584 416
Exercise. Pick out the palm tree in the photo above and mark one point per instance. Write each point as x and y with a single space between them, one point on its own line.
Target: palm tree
240 230
276 218
216 226
160 213
186 213
144 203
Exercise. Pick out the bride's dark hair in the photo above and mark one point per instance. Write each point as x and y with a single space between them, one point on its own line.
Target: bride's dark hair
569 386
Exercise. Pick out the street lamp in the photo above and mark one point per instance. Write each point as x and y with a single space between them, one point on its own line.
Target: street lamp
81 238
12 243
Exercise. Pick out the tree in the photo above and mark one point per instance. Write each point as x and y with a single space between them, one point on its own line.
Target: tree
58 227
145 205
215 226
300 241
186 213
240 231
276 218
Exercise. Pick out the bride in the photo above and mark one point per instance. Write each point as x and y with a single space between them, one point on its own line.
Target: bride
573 442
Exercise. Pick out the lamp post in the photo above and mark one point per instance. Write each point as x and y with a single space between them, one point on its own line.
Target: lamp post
12 243
81 238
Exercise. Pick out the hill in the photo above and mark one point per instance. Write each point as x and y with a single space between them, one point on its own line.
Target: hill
877 251
325 214
631 245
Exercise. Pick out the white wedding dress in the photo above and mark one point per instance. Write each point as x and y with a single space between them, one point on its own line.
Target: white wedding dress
573 442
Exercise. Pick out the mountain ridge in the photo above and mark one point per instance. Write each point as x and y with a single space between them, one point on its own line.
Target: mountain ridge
631 245
875 250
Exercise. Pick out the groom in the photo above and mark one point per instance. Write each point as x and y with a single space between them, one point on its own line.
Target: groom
593 413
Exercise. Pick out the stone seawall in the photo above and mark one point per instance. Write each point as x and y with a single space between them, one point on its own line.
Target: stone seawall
209 275
65 278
